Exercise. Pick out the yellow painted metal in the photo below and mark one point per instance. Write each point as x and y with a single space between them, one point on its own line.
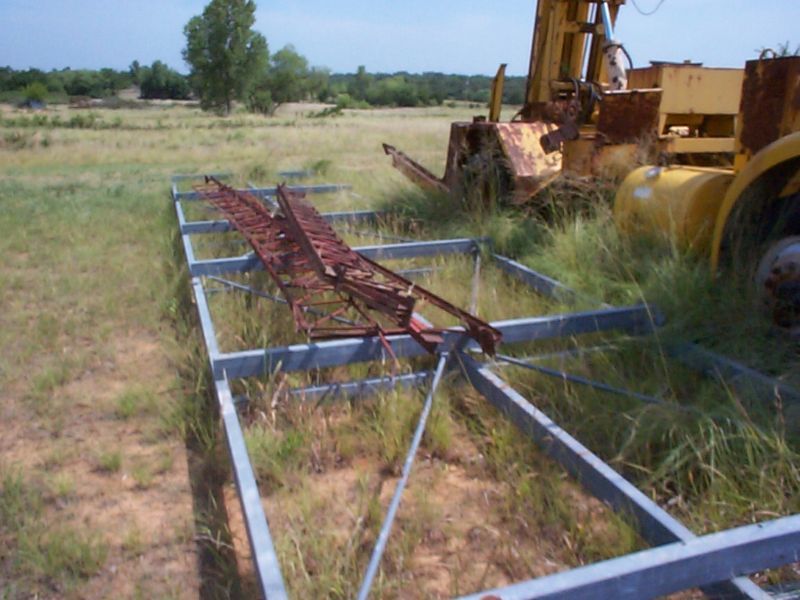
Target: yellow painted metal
496 99
689 145
676 202
780 151
692 89
692 95
559 46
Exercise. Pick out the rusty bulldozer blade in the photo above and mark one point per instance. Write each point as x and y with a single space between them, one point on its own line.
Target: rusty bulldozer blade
516 146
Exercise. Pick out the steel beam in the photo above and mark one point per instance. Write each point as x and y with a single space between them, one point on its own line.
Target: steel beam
655 524
661 571
738 375
391 513
223 225
352 216
324 188
221 266
580 380
302 357
184 176
542 284
419 272
250 262
263 550
361 388
296 174
417 249
214 226
190 227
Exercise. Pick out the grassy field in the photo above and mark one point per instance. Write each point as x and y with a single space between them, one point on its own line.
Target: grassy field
112 477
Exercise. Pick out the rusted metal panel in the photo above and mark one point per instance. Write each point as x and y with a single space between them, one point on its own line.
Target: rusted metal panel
530 167
629 116
770 107
414 171
333 291
515 147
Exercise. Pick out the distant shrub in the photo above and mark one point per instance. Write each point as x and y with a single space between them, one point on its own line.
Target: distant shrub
18 140
83 121
160 82
260 101
35 92
328 111
345 100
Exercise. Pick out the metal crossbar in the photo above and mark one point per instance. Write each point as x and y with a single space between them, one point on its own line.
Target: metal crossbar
386 528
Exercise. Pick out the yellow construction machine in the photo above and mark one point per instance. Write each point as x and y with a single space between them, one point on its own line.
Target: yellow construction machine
708 156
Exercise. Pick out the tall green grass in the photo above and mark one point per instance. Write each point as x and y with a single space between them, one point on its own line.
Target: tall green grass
733 458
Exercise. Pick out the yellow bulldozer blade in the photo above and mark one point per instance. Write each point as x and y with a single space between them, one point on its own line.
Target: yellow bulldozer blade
516 146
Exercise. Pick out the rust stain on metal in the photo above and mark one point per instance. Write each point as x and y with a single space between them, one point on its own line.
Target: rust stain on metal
517 145
531 167
770 105
628 117
333 291
414 171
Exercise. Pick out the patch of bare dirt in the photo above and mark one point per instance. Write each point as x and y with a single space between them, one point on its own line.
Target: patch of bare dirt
453 534
141 508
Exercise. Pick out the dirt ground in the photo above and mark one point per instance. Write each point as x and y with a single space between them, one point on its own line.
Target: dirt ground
142 509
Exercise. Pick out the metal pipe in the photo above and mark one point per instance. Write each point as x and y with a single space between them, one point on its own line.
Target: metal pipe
386 528
605 13
476 283
588 382
613 51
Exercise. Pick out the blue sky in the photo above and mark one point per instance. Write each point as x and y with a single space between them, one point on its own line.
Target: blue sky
455 36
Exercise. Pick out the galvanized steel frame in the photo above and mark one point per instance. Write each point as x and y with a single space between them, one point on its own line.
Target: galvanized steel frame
725 554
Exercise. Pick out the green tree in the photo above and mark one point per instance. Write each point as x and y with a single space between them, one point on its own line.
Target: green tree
360 84
288 79
288 76
135 71
159 81
225 55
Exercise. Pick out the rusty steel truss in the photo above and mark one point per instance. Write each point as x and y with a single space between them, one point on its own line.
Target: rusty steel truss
332 291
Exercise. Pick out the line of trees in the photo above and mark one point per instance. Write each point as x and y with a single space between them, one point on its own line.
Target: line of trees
288 78
155 81
230 62
62 83
408 89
